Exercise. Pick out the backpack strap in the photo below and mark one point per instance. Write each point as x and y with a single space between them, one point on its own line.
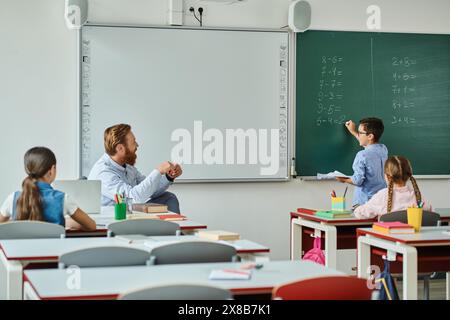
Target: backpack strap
317 243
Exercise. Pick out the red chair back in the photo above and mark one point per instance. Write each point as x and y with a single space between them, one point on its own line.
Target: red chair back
324 288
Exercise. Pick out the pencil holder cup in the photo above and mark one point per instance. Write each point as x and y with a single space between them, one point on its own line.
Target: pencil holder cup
120 211
337 204
415 218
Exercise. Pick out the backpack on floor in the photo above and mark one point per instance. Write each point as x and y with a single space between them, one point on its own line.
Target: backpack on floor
316 254
388 290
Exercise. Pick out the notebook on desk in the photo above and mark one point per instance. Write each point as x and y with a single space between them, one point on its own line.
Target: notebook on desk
334 214
230 274
218 235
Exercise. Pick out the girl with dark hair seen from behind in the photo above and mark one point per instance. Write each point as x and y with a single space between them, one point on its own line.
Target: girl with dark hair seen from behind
38 200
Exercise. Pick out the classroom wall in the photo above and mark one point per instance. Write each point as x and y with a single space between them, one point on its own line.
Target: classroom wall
38 90
37 87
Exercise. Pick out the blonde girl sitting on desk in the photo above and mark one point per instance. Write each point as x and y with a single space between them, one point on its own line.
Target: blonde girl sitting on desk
399 195
38 200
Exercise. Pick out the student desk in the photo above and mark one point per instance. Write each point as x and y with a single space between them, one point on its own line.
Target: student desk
15 255
445 214
338 234
108 283
106 216
426 251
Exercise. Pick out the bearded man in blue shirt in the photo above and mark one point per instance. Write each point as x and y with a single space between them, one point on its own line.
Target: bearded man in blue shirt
117 173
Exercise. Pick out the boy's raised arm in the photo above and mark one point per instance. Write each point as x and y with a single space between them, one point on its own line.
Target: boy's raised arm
351 127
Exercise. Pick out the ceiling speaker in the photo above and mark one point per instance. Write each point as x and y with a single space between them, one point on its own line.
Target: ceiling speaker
299 17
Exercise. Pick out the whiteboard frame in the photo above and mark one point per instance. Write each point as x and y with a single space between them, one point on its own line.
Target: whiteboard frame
291 90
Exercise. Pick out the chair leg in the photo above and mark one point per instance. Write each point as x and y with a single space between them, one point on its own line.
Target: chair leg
447 285
426 288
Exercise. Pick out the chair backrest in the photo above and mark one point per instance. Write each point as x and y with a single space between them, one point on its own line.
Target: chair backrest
146 227
27 229
193 252
177 292
429 219
107 256
324 288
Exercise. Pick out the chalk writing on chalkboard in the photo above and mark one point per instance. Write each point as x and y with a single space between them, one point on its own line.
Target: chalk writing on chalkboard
329 106
403 91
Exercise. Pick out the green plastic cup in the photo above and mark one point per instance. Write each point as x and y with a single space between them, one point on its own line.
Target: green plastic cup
120 211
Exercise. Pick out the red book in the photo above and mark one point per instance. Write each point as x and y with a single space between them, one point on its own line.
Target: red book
171 217
391 225
307 211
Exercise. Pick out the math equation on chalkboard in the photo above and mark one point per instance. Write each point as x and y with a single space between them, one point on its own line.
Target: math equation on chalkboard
403 91
329 104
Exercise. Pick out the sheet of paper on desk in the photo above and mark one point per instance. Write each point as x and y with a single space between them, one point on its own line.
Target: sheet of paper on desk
132 238
230 274
331 175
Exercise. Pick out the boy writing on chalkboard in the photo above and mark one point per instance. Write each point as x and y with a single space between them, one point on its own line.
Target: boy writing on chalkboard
368 174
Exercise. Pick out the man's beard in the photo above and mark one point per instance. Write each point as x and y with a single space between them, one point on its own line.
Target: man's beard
130 157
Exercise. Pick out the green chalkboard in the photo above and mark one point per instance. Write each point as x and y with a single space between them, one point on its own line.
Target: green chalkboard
403 79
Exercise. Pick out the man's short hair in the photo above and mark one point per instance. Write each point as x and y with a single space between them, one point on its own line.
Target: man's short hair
114 136
373 126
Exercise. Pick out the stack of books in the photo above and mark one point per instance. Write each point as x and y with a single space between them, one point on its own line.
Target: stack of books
218 235
393 227
334 214
150 207
142 215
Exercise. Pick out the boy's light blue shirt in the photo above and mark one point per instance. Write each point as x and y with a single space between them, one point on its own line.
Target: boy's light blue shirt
126 180
368 172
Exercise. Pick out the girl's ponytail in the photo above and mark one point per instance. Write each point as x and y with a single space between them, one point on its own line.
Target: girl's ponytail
416 189
390 195
29 204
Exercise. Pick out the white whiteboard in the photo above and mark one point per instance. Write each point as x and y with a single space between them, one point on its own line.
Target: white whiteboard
162 79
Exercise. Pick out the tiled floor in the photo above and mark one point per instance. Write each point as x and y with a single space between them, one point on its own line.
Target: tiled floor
437 289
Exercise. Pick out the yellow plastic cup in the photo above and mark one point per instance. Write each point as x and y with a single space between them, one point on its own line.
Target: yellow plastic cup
415 218
337 204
